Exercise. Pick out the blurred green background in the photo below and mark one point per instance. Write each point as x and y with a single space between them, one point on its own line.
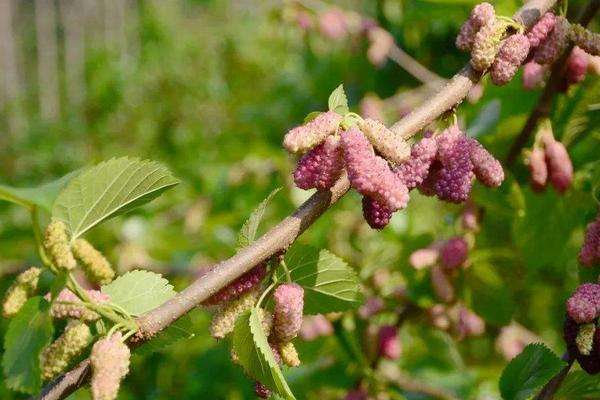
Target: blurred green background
209 88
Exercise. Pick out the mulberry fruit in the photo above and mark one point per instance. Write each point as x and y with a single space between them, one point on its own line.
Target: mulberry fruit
511 55
486 44
56 243
454 253
539 32
455 179
20 291
466 36
533 75
469 324
110 363
391 146
587 40
389 344
224 319
560 168
321 166
241 285
289 354
57 357
68 305
289 304
96 266
538 169
487 169
305 137
577 65
427 187
550 49
371 175
441 284
376 214
414 170
481 14
590 251
584 305
589 363
333 24
585 338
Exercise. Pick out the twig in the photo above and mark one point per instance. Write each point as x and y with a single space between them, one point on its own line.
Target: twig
544 104
284 234
413 67
548 391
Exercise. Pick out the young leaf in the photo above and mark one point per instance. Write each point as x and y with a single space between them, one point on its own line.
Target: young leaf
579 385
329 283
248 232
139 291
338 101
181 329
42 196
108 189
311 115
528 371
255 355
28 333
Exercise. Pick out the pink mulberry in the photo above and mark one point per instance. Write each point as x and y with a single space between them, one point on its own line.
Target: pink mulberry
539 32
538 169
241 285
456 176
333 24
423 258
466 35
584 305
389 344
110 363
68 305
481 14
314 326
511 55
376 214
304 137
590 251
414 170
289 303
469 324
454 253
321 166
559 164
533 75
550 49
487 169
577 65
369 174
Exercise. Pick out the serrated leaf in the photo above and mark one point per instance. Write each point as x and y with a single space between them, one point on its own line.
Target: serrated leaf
329 283
528 371
311 115
255 355
28 333
338 101
181 329
139 291
250 227
108 189
579 385
42 196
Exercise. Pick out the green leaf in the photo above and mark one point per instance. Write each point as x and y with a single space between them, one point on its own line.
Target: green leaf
579 385
42 196
28 333
528 371
338 101
255 355
181 329
139 291
491 297
311 115
108 189
248 232
329 283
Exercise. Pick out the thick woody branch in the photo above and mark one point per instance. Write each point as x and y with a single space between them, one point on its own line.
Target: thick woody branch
286 232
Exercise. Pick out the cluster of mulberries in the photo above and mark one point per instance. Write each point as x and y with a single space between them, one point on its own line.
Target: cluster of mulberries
241 285
590 251
57 357
68 305
110 363
96 266
24 286
56 243
549 160
580 332
389 345
554 42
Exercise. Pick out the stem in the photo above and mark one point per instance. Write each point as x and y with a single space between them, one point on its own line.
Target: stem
37 234
413 67
264 294
548 391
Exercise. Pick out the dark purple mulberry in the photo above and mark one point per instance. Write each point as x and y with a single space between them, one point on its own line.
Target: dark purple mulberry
321 166
589 363
454 253
376 214
241 285
590 251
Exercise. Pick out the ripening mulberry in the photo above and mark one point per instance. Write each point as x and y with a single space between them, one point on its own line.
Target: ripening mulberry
441 284
68 305
550 49
480 15
110 363
287 314
560 168
427 187
381 41
423 258
321 166
96 266
539 32
57 357
289 354
585 338
487 168
455 178
454 253
584 305
241 285
469 324
333 24
370 174
391 146
590 251
486 44
511 55
56 243
389 343
466 36
577 65
414 170
538 169
587 40
589 363
376 214
224 319
24 286
533 75
261 390
304 137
